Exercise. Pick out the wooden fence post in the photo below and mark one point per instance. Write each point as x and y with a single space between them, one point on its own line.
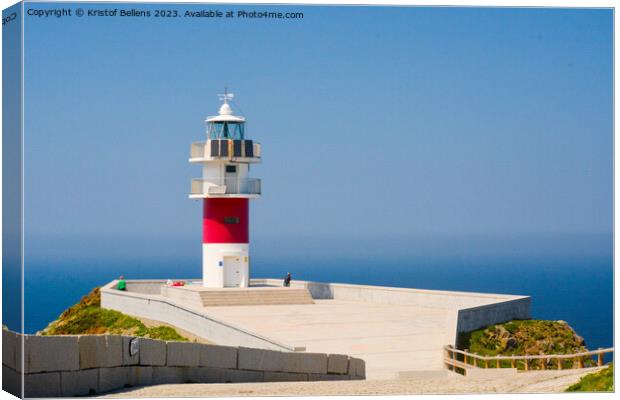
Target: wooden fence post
559 363
599 361
486 363
454 359
513 363
465 357
526 364
543 363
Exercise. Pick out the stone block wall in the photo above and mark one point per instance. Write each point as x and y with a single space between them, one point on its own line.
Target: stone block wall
66 366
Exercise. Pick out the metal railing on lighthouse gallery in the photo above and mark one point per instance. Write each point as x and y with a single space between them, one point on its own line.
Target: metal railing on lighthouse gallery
225 186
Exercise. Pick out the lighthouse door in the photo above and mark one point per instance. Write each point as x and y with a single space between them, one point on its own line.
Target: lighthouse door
232 271
230 179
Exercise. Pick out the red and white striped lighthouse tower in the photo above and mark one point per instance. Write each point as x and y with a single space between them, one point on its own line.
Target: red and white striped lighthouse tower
225 188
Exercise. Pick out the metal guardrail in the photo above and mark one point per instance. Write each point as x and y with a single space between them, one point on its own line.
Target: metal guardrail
462 359
224 186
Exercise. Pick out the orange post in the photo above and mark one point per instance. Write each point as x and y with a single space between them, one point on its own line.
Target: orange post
513 363
559 363
599 360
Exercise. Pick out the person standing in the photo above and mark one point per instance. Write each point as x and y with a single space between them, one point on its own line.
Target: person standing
287 279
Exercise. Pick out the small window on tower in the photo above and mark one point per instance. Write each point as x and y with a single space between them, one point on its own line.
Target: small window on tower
231 220
231 168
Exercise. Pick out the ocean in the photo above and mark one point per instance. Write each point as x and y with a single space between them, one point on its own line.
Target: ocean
569 278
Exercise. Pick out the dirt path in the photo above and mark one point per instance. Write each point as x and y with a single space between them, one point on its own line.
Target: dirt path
529 382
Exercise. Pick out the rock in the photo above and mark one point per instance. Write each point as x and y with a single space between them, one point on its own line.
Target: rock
501 332
580 341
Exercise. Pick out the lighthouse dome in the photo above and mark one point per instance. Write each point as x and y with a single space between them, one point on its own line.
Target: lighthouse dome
225 112
225 115
225 109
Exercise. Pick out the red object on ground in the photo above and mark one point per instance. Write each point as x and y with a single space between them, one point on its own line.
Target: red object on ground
225 220
178 283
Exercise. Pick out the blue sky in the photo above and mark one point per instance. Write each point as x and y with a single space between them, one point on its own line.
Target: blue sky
374 121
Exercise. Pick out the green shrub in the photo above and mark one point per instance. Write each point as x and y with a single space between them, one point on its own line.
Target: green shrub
525 337
87 317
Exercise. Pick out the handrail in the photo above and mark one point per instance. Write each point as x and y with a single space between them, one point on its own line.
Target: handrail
529 357
223 185
578 359
222 179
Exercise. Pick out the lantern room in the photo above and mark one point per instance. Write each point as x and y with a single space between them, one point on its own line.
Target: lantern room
226 125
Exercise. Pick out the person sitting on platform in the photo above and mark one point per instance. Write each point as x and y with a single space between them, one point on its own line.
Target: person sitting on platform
122 285
287 280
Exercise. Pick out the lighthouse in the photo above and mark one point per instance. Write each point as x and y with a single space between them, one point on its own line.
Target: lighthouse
225 190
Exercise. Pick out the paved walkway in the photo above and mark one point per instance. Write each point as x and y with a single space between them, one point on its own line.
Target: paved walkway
526 382
390 338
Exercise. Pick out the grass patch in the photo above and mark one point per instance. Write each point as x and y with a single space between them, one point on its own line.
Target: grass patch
87 317
601 381
164 333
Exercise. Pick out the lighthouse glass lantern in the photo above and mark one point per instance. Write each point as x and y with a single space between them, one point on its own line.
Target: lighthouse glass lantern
225 190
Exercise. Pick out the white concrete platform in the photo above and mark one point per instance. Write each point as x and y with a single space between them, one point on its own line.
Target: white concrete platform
390 338
395 330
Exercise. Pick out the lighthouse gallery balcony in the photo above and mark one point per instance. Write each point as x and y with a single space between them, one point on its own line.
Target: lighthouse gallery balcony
225 187
238 150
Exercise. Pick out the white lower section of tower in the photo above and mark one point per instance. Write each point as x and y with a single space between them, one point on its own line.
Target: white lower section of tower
225 265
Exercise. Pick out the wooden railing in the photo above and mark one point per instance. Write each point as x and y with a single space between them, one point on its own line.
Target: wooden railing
456 359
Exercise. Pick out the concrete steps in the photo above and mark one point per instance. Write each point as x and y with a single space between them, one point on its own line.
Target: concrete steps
262 297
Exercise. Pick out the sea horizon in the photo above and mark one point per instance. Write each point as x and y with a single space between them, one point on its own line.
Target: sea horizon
569 277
